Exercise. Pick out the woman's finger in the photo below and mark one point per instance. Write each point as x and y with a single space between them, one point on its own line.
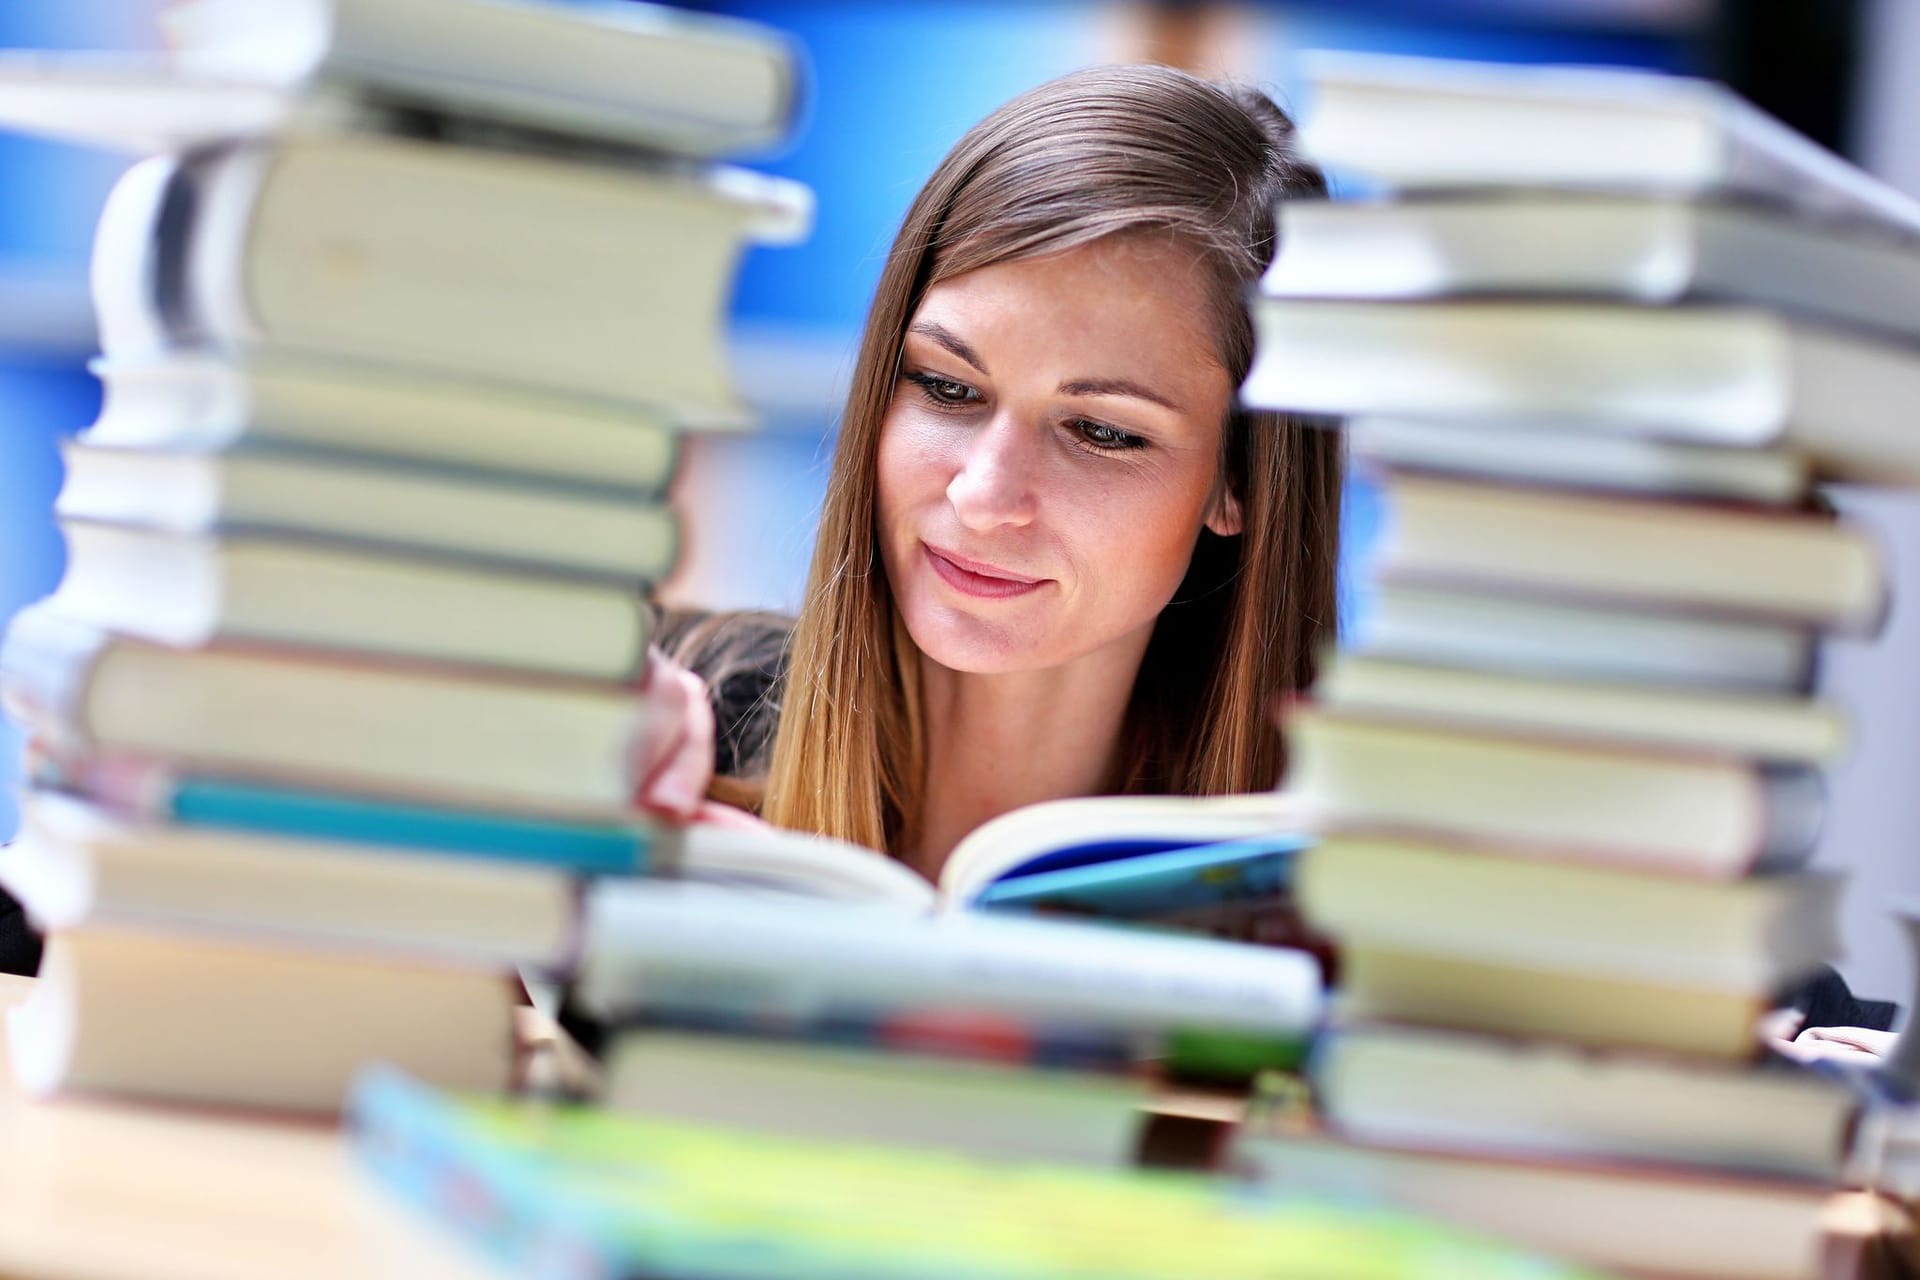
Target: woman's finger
1864 1039
680 776
716 814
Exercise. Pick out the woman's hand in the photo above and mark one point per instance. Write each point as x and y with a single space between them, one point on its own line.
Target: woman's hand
1783 1034
674 761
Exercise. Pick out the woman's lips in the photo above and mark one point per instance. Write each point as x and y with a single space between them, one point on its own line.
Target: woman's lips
971 577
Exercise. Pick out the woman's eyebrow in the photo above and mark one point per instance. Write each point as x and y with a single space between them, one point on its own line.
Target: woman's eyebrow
1116 387
950 340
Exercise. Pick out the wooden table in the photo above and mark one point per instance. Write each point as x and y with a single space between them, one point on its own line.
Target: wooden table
95 1190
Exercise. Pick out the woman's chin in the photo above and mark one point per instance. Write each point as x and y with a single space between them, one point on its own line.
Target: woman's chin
972 645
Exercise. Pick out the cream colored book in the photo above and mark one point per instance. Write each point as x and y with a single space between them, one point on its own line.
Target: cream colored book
1442 1090
1439 122
1772 728
1686 812
1733 376
1631 1220
1381 983
1751 936
1649 554
214 1020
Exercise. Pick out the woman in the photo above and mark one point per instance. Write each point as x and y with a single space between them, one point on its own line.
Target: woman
1054 558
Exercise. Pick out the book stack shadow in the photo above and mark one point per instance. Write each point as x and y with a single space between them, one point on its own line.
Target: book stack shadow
401 320
1597 347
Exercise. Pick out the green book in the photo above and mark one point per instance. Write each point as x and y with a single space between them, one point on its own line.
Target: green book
552 1190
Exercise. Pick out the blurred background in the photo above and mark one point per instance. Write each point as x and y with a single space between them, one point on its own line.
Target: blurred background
893 86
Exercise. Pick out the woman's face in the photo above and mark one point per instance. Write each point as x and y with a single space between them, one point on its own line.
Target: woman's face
1050 455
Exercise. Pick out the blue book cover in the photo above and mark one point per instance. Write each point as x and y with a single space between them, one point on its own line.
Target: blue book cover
584 848
1145 879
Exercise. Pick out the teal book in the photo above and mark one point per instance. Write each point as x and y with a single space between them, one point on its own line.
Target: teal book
583 848
571 1191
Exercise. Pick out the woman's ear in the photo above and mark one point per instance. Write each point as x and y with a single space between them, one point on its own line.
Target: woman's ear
1223 517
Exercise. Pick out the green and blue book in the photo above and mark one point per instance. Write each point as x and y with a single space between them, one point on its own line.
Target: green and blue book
570 1191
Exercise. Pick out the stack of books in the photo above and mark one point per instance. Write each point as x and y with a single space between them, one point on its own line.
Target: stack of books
334 705
1005 1037
1609 332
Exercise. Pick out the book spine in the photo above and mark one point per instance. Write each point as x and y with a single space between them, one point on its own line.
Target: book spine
132 241
182 404
690 83
942 1033
588 849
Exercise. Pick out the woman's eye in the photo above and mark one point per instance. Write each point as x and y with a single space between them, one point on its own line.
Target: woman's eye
1101 436
942 391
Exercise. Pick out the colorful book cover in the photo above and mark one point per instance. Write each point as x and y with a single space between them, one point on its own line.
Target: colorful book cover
969 1034
1148 880
578 1192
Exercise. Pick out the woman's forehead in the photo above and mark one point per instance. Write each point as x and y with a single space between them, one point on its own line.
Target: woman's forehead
1138 307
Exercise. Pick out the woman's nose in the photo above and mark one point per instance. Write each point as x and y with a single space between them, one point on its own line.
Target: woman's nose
994 485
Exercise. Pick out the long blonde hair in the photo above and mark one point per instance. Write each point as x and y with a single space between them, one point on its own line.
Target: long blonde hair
1092 154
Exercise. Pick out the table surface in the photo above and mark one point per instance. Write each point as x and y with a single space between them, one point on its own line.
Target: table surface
98 1189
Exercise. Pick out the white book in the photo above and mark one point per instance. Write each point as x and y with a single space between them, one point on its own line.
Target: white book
1523 635
1441 1090
1681 813
199 402
1548 454
134 102
1430 122
1737 377
1649 249
636 75
458 262
1379 983
1552 915
1618 1218
1635 552
228 1023
482 520
1769 727
315 496
189 590
73 865
663 945
849 1094
437 735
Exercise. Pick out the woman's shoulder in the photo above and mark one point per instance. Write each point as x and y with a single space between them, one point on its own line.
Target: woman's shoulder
742 657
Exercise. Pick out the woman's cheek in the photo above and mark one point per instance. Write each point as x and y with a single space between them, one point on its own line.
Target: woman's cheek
1145 530
918 455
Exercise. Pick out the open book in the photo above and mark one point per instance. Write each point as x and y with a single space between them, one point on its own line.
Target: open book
1066 855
